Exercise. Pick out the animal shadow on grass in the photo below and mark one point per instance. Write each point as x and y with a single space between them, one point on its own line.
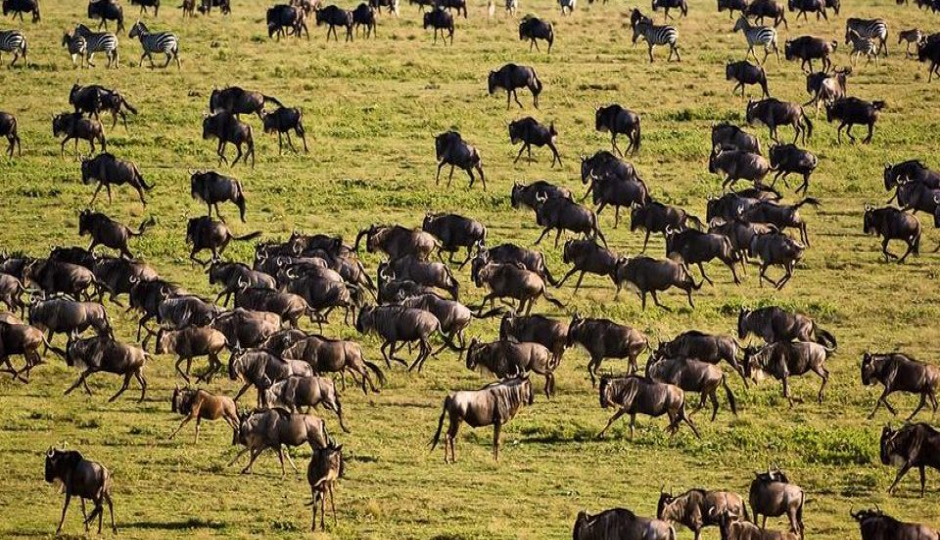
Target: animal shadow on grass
190 523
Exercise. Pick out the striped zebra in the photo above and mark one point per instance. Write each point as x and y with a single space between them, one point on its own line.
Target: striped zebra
76 46
12 41
95 42
862 45
876 29
567 6
512 6
758 35
654 34
160 42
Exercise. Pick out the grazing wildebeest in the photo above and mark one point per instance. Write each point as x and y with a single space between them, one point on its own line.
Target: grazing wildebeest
535 329
681 5
512 77
850 111
108 170
620 523
19 7
648 276
511 253
227 128
400 324
334 16
8 130
900 373
738 165
106 10
603 338
506 359
616 120
783 360
692 376
80 478
397 241
237 100
914 445
776 249
510 280
19 338
789 159
772 495
698 508
530 133
106 232
213 188
261 369
364 16
826 87
75 126
773 113
744 74
657 217
532 28
566 215
759 9
334 356
587 257
773 324
705 347
697 247
451 149
296 391
205 233
809 48
732 6
103 353
636 395
893 224
725 135
780 215
441 21
326 466
200 404
190 342
275 429
454 232
495 404
876 525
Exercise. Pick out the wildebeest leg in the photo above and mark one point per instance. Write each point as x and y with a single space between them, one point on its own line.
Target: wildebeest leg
127 382
923 401
884 399
566 276
824 373
884 249
904 468
578 284
280 457
923 481
910 248
80 381
519 155
786 389
496 430
452 438
702 269
546 231
95 196
253 456
555 154
557 236
450 177
515 96
178 370
618 414
65 507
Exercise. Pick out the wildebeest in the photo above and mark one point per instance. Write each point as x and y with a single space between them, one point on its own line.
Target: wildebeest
144 4
809 48
788 159
190 342
441 21
529 194
657 217
636 395
876 525
509 280
772 495
900 373
774 324
512 77
288 306
234 276
11 292
284 19
929 51
616 120
587 257
698 508
692 376
697 247
282 121
326 466
725 135
893 224
54 276
106 10
649 276
851 111
532 28
244 328
603 338
738 165
225 127
783 360
759 9
364 16
75 126
180 311
451 149
912 170
201 404
776 249
108 170
535 329
566 215
914 445
781 216
117 275
205 233
276 428
213 188
455 5
732 6
146 294
432 274
727 207
19 338
80 478
530 133
396 241
334 356
106 232
744 74
773 113
495 404
297 391
8 129
620 523
826 87
681 5
454 232
95 99
19 7
733 528
803 7
605 165
506 359
334 16
705 347
396 324
237 100
261 369
103 353
511 253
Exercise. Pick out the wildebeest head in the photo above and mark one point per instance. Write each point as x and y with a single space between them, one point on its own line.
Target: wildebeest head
60 123
85 222
788 46
574 329
751 111
365 321
889 446
604 390
473 350
515 197
868 369
59 463
215 100
742 322
368 233
870 227
665 499
492 82
164 342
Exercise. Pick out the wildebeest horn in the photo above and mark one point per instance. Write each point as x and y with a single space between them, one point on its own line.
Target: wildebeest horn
541 196
50 452
936 198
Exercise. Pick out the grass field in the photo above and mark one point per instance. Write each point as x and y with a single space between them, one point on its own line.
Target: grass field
371 109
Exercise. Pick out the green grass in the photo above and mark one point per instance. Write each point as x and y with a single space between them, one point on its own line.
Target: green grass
371 109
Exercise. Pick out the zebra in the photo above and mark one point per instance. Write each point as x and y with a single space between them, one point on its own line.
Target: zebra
95 42
511 7
654 34
876 29
76 46
758 35
862 45
568 5
12 41
160 42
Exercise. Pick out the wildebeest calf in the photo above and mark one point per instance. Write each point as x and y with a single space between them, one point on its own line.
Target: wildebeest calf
75 126
282 121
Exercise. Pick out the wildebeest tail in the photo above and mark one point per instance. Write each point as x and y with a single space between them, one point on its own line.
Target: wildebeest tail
809 123
140 178
808 200
536 83
639 138
878 105
915 249
824 338
495 312
249 236
440 423
240 200
732 402
144 225
548 275
272 100
696 222
375 369
50 347
554 301
124 102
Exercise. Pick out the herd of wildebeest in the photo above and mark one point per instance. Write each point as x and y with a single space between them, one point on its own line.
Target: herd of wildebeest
414 300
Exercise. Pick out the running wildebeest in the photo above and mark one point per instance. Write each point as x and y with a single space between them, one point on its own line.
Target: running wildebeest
732 6
334 16
118 275
275 429
506 359
893 224
297 391
759 9
773 113
529 194
620 523
181 311
19 338
510 280
441 21
535 329
910 171
8 130
237 100
803 7
288 306
779 215
776 249
809 48
213 188
200 404
900 373
334 356
850 111
106 10
451 149
773 324
604 164
697 247
656 217
80 478
603 338
532 260
205 233
512 77
648 276
565 215
190 342
282 121
692 376
744 73
104 354
532 28
261 369
698 508
244 328
11 293
95 99
727 207
106 232
53 276
772 495
530 133
876 525
587 257
826 87
431 274
400 324
326 466
705 347
75 126
636 395
738 165
788 159
495 404
234 276
227 128
396 241
725 135
454 232
617 120
914 445
108 170
783 360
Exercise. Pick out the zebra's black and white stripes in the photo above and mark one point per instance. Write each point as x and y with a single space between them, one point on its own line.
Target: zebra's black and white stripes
95 42
862 45
75 44
12 41
758 35
159 42
875 29
654 34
